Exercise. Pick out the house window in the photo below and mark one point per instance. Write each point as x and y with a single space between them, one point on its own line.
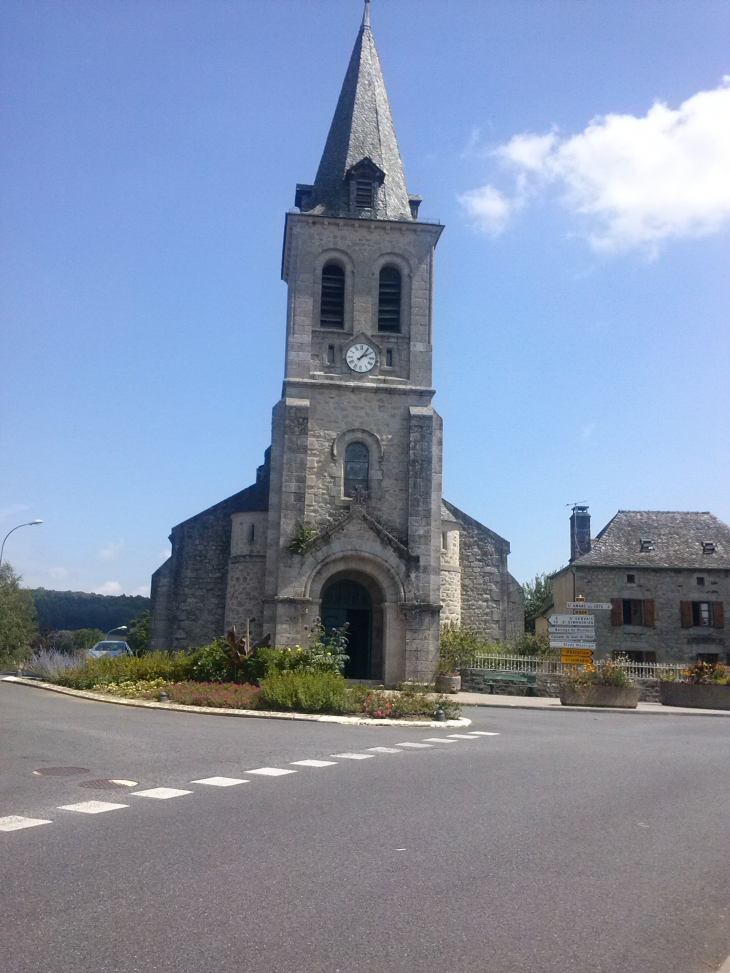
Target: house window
630 579
357 469
702 614
700 582
330 354
708 547
389 293
444 541
364 193
632 611
646 545
389 357
710 658
252 533
332 304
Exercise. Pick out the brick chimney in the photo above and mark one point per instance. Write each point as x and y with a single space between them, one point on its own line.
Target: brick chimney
580 531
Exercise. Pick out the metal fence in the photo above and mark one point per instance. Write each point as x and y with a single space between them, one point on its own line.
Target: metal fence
525 663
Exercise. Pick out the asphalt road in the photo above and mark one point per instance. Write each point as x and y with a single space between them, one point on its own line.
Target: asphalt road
569 842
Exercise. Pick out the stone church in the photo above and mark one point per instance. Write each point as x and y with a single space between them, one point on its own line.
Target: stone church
346 520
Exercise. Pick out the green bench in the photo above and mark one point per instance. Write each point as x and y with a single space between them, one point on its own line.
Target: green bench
503 679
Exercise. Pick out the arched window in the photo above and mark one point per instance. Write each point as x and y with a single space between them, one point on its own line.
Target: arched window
357 469
332 305
389 299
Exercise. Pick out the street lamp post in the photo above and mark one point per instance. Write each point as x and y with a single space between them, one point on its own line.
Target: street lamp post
119 628
28 523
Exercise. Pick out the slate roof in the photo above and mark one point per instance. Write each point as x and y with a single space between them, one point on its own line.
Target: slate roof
362 128
677 538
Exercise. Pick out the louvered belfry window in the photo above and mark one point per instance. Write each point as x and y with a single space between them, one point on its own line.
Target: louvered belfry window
363 194
389 299
332 305
357 469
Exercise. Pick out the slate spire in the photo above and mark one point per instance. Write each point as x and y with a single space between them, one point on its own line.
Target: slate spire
361 153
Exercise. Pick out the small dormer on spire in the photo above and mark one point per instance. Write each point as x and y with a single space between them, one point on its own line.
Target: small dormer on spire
361 173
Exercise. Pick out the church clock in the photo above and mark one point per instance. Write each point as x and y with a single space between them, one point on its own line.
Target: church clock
361 357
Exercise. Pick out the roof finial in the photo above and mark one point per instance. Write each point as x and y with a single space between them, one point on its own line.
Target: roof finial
366 14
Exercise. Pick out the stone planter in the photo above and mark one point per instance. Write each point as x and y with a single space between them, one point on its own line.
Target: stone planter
447 684
696 695
622 697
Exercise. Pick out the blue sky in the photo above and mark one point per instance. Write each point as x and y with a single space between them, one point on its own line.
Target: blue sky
151 150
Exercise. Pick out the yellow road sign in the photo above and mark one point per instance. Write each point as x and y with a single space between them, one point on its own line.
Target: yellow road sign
576 656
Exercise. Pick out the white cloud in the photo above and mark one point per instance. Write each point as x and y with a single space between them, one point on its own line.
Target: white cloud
111 550
488 208
109 588
144 590
59 574
637 182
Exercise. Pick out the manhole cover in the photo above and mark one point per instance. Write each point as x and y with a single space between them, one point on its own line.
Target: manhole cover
107 785
61 771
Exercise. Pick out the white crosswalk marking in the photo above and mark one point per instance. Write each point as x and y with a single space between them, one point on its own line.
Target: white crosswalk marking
384 750
419 745
160 793
438 740
315 763
92 807
460 736
270 772
15 822
353 756
484 733
221 781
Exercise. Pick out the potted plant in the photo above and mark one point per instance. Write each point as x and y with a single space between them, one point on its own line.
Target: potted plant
602 684
459 648
705 685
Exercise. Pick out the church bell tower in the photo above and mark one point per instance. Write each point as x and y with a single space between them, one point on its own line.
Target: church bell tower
354 518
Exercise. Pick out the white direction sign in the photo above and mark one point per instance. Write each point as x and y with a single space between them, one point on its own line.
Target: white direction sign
570 644
576 621
589 605
578 633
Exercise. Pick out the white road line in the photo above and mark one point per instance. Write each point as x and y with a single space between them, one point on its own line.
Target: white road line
160 793
270 772
384 750
352 756
221 781
92 807
314 763
460 736
438 740
419 745
484 733
472 735
14 822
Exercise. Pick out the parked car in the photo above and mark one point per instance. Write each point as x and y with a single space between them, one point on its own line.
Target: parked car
108 648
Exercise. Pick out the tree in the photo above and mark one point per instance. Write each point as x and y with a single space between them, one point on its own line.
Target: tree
86 638
538 594
17 618
139 632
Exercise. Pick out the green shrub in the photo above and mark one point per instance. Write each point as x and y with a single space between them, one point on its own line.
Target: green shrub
458 650
409 700
171 667
212 663
305 692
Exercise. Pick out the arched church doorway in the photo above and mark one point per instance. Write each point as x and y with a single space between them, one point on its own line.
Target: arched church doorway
350 601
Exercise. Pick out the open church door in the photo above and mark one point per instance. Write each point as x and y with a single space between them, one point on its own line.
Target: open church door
349 601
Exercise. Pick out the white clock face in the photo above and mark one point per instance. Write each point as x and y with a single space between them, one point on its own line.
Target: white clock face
361 357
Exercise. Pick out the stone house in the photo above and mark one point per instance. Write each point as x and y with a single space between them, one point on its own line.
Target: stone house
666 575
346 520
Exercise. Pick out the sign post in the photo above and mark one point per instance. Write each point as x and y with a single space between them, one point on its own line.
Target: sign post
575 635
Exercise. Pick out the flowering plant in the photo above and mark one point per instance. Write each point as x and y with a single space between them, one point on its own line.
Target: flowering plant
603 673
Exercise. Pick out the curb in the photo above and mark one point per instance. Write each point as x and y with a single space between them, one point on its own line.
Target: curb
552 708
219 711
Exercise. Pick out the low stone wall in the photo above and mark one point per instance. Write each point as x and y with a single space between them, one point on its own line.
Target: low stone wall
548 684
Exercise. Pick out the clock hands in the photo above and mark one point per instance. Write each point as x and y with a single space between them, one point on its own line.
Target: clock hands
366 352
